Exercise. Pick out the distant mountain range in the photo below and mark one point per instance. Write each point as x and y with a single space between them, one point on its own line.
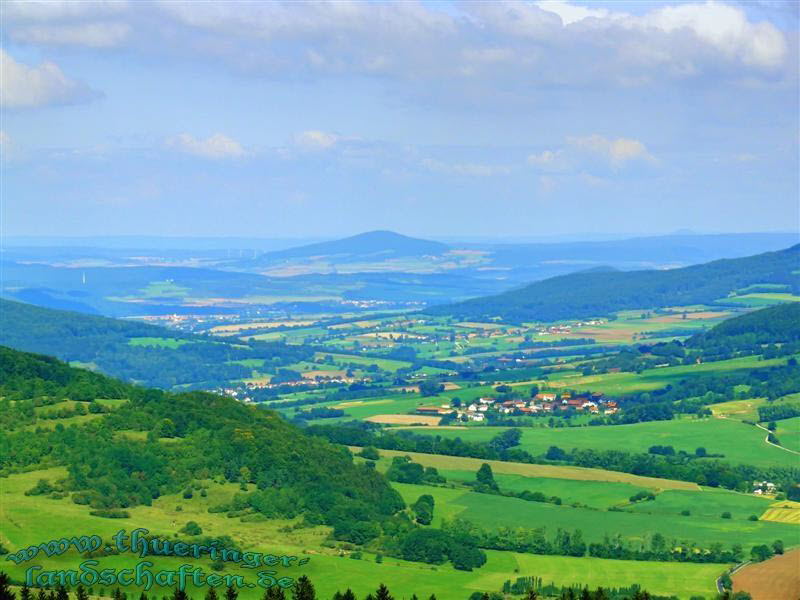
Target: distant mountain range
601 292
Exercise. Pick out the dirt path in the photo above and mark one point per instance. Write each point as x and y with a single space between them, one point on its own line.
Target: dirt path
766 439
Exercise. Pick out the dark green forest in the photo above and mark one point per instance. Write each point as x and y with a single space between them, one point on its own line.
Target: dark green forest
602 292
196 361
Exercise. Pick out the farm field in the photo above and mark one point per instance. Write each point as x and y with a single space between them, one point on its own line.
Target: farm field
32 519
783 511
775 579
739 442
492 511
461 463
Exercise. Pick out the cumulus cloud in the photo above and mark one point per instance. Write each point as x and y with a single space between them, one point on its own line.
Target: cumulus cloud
501 45
32 87
218 146
316 140
617 151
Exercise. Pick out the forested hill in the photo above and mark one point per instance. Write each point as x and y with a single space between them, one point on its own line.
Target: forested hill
283 472
135 351
774 325
380 244
592 294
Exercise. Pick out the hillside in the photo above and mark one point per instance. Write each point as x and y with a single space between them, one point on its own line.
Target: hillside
371 244
210 437
773 325
591 294
134 351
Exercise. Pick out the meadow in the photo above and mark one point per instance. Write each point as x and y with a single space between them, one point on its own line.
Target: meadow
737 441
492 512
26 520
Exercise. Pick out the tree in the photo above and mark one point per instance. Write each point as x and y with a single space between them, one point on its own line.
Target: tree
211 594
430 387
275 593
348 595
5 590
191 528
61 593
25 593
486 477
370 453
80 593
179 594
777 546
383 593
303 590
231 593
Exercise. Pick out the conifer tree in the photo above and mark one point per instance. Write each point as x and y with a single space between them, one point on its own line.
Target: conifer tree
383 593
5 590
303 590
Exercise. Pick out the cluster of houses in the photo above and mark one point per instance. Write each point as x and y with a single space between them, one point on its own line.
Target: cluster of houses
543 402
764 487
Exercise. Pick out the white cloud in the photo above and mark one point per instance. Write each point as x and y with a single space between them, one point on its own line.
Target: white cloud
316 140
550 160
468 169
33 87
93 35
503 47
218 146
617 151
723 27
571 13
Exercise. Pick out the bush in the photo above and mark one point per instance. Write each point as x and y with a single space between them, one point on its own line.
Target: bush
726 515
370 453
191 528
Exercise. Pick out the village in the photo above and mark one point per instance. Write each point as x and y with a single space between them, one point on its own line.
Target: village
542 402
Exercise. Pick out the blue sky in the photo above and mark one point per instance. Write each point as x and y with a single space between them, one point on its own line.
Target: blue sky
429 118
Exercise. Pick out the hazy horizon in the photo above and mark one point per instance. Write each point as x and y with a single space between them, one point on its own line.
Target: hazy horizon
502 119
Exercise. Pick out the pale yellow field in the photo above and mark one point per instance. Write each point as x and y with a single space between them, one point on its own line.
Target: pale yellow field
511 468
236 327
361 324
361 403
404 419
784 511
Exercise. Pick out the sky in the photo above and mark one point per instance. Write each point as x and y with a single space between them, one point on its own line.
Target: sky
324 119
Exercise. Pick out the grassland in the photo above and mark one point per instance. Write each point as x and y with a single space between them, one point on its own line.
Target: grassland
460 463
26 520
739 442
492 512
788 433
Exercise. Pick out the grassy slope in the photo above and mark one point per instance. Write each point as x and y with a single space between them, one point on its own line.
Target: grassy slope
26 520
739 442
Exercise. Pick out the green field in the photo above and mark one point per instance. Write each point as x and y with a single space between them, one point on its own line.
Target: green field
26 520
788 433
493 512
739 442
